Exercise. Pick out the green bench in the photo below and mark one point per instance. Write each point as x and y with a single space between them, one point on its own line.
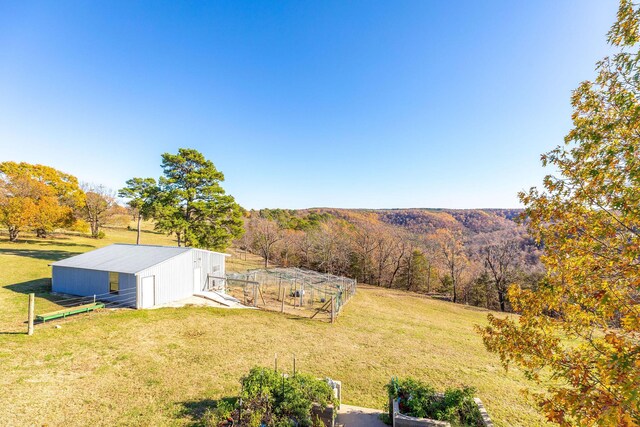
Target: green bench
69 311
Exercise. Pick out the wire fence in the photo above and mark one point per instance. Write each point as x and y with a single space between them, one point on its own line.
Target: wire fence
121 297
126 298
297 291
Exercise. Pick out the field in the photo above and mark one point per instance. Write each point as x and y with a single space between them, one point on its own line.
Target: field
166 366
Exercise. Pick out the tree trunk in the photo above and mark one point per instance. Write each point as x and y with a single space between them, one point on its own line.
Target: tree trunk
455 293
95 228
501 299
488 295
138 236
13 234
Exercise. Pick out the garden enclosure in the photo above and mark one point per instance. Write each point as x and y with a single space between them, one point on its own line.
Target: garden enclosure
297 291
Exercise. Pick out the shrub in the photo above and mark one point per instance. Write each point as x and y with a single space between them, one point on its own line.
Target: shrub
272 399
417 399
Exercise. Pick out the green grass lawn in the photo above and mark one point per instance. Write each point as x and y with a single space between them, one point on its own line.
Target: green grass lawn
165 366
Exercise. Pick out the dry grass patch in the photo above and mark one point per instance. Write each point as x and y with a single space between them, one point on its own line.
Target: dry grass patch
165 366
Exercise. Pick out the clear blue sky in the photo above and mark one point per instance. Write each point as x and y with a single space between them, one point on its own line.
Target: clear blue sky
305 103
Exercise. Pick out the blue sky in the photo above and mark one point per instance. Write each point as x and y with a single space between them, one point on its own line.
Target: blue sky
365 104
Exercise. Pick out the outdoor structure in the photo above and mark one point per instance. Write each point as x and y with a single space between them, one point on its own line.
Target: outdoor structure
139 276
401 420
292 290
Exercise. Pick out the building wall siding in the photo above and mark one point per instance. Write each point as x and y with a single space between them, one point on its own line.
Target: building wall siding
173 279
211 264
83 282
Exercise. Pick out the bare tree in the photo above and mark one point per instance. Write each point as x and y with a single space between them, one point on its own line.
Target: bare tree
400 250
331 248
453 257
305 247
384 254
264 235
287 247
98 207
366 241
500 261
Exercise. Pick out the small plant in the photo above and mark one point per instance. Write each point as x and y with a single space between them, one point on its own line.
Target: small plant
420 400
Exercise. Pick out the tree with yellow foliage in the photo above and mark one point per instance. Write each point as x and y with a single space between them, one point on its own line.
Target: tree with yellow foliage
581 328
37 197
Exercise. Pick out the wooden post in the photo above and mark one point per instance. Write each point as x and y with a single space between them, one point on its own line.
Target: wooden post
282 303
32 304
294 365
255 295
279 287
333 309
301 294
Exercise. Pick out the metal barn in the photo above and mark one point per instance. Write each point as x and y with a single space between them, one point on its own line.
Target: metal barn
139 276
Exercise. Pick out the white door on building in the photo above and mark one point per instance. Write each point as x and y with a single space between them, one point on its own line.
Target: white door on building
197 285
148 292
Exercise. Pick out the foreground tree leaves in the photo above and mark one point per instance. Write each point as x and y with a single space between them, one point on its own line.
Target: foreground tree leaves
580 331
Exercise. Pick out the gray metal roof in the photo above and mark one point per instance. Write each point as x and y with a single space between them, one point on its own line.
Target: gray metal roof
122 258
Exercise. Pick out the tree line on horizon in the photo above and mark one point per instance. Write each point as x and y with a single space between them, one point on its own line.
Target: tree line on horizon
187 202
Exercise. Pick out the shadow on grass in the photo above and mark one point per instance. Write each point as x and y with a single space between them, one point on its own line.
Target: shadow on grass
475 308
196 411
47 241
42 288
39 287
47 255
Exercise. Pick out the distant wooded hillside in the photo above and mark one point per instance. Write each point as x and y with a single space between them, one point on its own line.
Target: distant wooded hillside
428 221
470 256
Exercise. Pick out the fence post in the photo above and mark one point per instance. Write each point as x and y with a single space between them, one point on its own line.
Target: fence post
301 294
333 309
282 302
32 304
255 295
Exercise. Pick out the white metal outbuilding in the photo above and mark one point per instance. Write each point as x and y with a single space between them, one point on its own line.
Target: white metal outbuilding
139 276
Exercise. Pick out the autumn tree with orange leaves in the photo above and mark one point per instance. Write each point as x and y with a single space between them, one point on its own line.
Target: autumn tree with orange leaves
38 198
581 328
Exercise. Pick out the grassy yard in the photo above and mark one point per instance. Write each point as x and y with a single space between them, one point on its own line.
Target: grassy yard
165 366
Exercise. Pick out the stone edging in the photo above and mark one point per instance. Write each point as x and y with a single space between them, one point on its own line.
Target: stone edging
401 420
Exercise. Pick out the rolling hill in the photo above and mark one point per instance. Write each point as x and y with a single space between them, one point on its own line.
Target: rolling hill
167 366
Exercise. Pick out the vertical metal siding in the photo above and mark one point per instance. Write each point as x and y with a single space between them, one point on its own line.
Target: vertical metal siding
173 278
210 263
82 282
